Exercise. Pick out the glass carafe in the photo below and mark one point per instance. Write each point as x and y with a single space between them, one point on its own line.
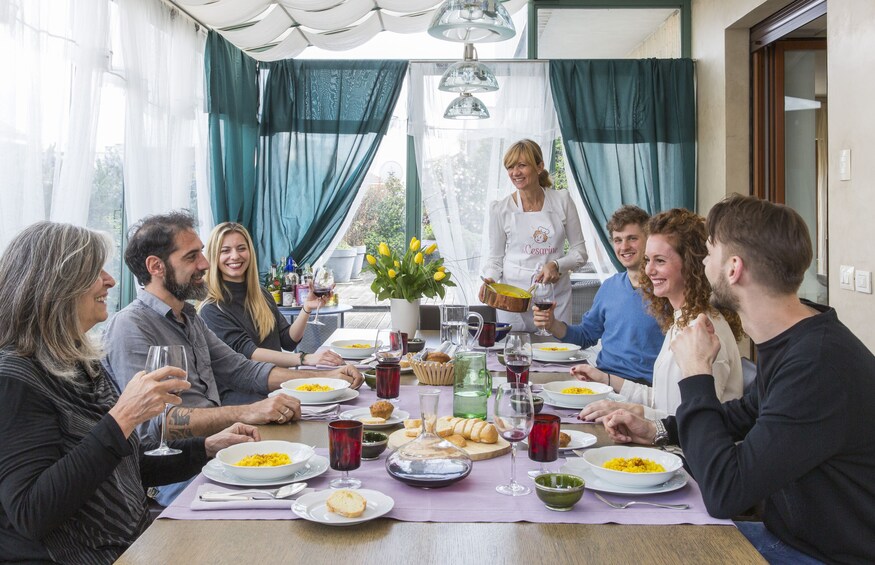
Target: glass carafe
429 461
454 325
472 385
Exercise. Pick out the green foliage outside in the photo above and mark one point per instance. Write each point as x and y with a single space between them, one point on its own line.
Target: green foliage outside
381 217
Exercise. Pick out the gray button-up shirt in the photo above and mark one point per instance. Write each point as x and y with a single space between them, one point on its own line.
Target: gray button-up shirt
212 365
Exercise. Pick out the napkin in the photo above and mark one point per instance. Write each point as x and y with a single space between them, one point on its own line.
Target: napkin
328 412
269 503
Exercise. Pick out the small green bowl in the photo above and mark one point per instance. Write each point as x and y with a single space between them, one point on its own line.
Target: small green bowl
559 491
370 379
415 345
373 444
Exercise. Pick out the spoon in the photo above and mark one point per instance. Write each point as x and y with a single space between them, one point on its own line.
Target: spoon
623 505
489 285
250 494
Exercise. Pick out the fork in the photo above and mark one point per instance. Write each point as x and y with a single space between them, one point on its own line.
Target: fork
622 505
279 493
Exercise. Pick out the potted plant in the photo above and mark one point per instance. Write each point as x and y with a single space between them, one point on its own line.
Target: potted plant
405 279
341 262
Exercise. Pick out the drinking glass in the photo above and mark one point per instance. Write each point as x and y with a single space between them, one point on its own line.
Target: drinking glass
323 284
388 377
542 295
392 350
544 442
345 451
487 335
166 356
518 356
514 415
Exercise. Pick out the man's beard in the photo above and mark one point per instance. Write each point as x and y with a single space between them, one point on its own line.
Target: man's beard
721 295
185 291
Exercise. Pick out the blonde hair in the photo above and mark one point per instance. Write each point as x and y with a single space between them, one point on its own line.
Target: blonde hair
39 308
528 152
217 292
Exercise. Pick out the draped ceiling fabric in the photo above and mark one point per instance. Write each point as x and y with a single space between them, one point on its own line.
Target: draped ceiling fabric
271 30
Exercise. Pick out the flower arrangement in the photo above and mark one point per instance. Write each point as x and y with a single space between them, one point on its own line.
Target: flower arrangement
408 277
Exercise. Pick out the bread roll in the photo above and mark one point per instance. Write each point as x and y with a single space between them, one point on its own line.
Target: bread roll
473 429
488 434
438 356
346 503
382 409
564 439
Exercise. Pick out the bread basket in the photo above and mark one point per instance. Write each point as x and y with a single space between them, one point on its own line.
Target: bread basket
432 372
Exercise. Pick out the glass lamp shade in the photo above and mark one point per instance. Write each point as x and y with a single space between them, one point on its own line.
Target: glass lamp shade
468 76
472 21
466 107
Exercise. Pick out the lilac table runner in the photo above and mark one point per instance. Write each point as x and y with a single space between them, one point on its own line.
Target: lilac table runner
473 499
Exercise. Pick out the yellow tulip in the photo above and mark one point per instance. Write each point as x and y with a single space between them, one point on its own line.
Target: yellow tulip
439 275
371 259
392 273
397 264
414 244
442 268
431 249
384 249
418 259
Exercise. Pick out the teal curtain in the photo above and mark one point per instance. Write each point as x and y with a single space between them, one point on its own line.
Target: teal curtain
629 130
321 125
232 105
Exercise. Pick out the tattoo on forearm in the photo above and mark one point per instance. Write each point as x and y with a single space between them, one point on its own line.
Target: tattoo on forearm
179 423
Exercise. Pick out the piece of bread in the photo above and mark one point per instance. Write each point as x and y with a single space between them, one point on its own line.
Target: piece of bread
414 424
382 409
564 439
404 363
372 420
469 425
438 356
459 426
456 440
488 434
347 503
443 429
475 431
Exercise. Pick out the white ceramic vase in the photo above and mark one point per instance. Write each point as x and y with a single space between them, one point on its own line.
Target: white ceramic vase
405 315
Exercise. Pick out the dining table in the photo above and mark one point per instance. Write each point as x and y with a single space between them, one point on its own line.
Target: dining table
501 539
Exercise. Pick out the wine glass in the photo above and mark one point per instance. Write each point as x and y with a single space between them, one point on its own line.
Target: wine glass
542 295
544 442
518 356
514 415
166 356
323 284
345 451
392 350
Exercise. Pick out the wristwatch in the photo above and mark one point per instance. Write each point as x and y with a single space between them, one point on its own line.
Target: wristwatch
302 357
661 439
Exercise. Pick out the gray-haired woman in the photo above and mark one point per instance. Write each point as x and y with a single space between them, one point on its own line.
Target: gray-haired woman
71 473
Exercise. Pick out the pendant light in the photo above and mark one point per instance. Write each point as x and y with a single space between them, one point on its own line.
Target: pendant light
469 75
466 107
472 21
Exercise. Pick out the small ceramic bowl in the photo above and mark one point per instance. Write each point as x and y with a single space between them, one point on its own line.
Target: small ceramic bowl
373 444
370 379
537 401
559 491
415 345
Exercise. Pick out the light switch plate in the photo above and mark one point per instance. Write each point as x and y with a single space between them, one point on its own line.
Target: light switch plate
863 281
845 164
846 277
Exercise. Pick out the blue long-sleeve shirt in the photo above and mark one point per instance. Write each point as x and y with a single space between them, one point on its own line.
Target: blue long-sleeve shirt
631 338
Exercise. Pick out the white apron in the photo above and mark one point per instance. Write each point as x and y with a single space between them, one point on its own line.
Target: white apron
535 238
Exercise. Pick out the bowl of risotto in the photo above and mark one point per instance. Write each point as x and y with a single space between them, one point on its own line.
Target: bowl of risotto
636 467
317 389
575 394
354 348
549 351
264 460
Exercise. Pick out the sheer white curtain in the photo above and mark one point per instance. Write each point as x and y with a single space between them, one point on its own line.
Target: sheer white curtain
165 129
54 54
460 162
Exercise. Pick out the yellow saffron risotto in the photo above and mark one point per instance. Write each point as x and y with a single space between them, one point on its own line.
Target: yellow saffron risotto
633 465
577 390
553 348
358 346
314 388
264 460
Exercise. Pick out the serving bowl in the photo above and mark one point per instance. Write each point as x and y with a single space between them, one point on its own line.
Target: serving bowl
559 491
354 348
596 459
537 402
550 351
415 345
373 444
338 386
501 330
297 452
554 392
370 378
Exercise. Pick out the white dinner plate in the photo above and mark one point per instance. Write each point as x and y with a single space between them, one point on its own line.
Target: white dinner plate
214 471
348 394
577 358
396 418
579 467
549 401
312 507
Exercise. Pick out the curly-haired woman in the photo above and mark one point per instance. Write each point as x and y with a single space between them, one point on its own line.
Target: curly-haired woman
673 280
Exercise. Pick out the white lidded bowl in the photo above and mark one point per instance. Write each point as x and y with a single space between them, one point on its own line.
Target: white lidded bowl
347 348
555 351
596 459
298 452
555 388
338 386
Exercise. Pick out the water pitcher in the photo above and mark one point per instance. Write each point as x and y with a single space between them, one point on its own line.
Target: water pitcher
454 324
472 385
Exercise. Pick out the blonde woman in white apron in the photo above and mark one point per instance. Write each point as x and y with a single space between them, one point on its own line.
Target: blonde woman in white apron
527 233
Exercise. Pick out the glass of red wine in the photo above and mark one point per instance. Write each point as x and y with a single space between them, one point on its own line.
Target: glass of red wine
542 295
323 285
514 416
345 451
544 442
518 356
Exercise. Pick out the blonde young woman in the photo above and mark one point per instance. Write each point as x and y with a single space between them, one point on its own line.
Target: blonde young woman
242 313
673 280
527 234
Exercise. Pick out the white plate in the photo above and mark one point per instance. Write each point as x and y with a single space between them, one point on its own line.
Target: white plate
550 402
579 467
312 507
349 394
579 440
396 418
214 471
573 359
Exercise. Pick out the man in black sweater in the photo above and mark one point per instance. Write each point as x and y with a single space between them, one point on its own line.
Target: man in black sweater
802 438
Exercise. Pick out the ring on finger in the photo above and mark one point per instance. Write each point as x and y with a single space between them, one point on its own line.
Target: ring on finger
280 419
286 411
